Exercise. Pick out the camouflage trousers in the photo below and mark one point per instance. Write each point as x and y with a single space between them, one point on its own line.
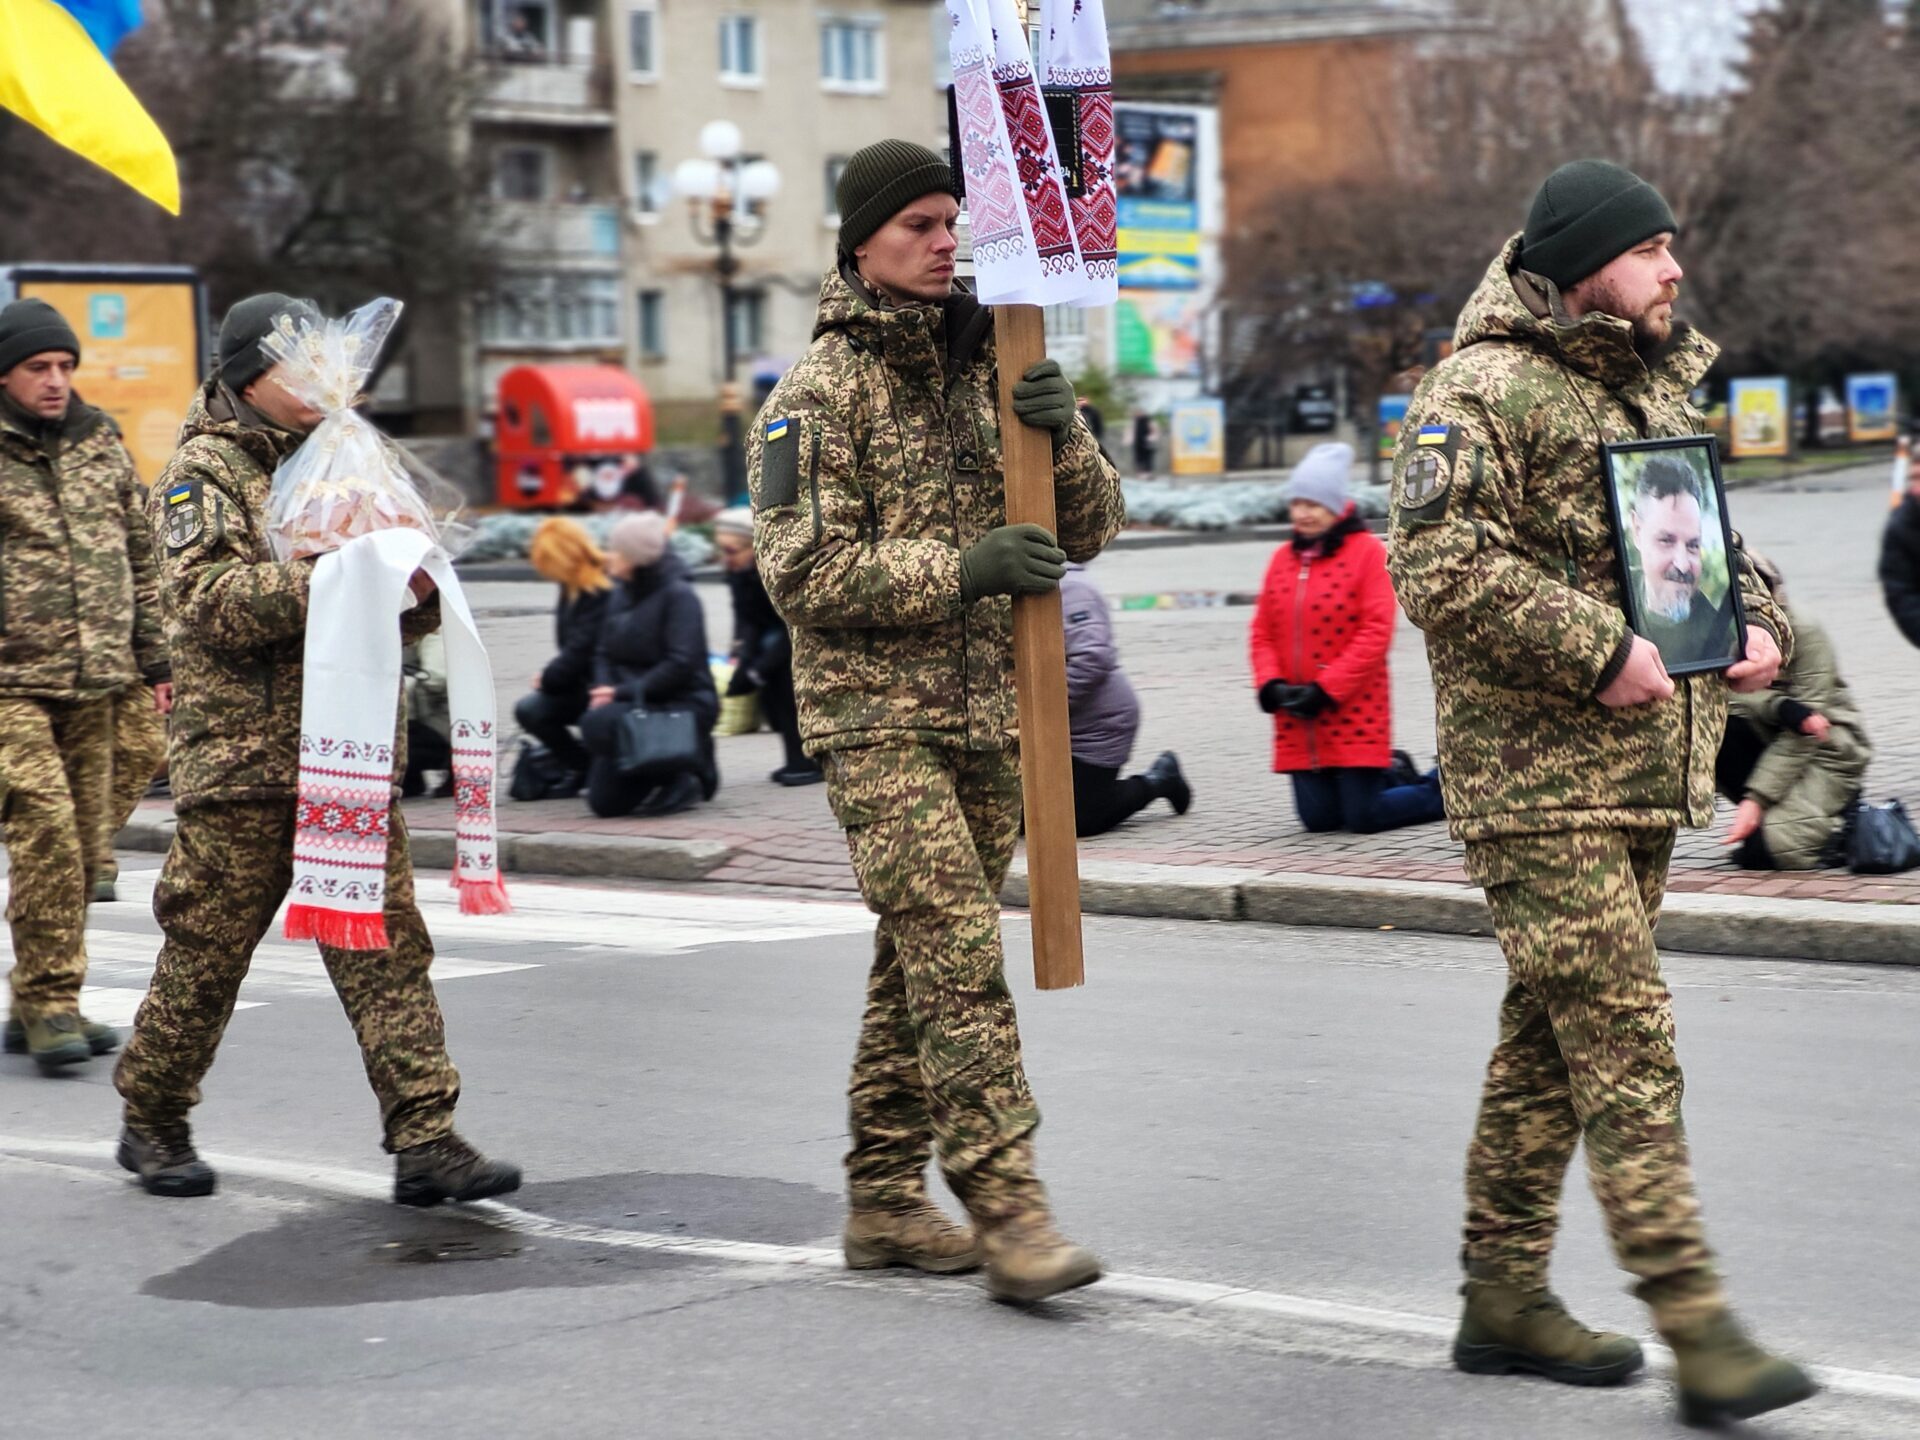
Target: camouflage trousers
931 831
139 749
56 770
228 871
1586 1052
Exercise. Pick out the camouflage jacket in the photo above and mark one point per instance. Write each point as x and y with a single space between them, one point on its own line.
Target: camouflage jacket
874 463
79 612
1501 548
236 616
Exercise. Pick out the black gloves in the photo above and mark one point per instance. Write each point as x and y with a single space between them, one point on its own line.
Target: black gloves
1303 701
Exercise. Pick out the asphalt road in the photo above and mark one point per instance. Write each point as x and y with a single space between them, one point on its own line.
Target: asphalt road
1261 1131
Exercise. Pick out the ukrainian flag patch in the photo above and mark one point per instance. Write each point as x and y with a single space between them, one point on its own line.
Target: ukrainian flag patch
1433 435
180 494
777 429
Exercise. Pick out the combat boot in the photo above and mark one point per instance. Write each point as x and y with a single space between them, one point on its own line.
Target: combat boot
101 1039
449 1169
165 1161
104 892
55 1042
919 1236
1507 1331
1028 1260
1725 1376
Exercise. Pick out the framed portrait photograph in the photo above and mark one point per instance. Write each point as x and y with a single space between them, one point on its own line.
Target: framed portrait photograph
1676 552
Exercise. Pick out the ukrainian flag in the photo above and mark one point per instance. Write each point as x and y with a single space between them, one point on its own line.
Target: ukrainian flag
55 75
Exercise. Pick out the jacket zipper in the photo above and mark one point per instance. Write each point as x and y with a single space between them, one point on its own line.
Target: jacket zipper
3 584
813 483
1300 659
1573 553
966 611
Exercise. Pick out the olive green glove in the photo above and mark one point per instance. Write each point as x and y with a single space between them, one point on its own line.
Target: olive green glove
1013 560
1044 400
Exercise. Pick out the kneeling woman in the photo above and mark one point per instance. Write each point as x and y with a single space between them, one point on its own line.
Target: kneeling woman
1320 636
653 655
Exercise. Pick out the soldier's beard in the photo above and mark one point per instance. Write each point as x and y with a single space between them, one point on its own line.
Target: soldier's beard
1651 328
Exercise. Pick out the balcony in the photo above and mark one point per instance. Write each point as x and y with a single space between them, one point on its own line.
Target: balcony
544 92
561 232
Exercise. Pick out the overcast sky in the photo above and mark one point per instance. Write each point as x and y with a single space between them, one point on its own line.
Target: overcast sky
1692 44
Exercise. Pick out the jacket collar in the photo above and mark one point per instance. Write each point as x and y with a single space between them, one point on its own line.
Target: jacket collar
28 431
918 339
218 412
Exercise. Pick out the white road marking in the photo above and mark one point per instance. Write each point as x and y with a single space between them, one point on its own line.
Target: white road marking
1198 1296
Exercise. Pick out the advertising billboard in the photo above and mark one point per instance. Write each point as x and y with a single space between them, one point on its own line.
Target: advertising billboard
1156 180
1199 437
1759 417
1872 413
141 349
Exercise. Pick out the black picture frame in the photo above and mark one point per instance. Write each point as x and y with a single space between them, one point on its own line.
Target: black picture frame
1682 466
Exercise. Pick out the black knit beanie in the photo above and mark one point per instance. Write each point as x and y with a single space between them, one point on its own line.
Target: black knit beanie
242 361
882 180
1587 213
31 327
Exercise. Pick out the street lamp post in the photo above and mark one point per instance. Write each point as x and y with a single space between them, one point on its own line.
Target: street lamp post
726 203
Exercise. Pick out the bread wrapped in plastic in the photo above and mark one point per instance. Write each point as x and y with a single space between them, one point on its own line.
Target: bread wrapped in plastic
347 479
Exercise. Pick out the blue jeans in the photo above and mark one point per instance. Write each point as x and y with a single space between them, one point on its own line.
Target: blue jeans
1362 801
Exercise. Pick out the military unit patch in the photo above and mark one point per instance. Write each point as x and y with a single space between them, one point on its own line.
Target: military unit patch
1427 476
779 466
186 516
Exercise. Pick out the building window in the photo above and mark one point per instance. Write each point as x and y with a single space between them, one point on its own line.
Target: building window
836 167
747 322
520 172
1064 322
554 308
653 325
850 56
647 189
740 49
643 42
942 54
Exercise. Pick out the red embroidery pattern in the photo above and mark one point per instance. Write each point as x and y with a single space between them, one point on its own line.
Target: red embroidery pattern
1040 185
993 199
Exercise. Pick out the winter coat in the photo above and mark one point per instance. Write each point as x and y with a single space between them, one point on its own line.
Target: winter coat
1502 551
873 464
1325 617
237 617
653 642
1103 713
1804 784
760 642
79 602
1900 567
576 630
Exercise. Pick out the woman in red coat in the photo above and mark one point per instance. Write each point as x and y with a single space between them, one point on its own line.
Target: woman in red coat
1319 642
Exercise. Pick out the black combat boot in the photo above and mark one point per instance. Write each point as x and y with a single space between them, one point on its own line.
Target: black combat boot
449 1169
165 1161
1168 783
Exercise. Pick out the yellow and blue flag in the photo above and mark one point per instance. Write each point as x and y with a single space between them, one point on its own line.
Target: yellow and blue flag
55 75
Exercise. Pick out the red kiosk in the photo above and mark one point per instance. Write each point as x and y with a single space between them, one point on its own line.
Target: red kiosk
567 433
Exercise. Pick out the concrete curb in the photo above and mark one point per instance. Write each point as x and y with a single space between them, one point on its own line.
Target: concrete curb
1690 922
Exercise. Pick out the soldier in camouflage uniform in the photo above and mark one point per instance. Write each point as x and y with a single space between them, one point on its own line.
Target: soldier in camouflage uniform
1568 757
79 623
881 532
237 618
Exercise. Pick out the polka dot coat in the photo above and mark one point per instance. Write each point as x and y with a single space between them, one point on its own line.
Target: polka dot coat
1328 620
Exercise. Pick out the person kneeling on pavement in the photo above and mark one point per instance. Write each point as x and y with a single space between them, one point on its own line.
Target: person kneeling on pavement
762 649
564 553
1103 714
1321 631
652 656
1794 754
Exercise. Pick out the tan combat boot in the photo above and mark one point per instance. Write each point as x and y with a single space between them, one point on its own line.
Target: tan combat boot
1725 1376
1028 1260
1507 1331
918 1236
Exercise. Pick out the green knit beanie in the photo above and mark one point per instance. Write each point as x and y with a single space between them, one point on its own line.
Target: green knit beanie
33 327
242 361
881 181
1587 213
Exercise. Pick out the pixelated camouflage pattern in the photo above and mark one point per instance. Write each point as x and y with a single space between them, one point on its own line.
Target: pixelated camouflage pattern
78 604
236 616
139 750
56 773
1501 549
931 830
1586 1053
1805 784
899 472
223 881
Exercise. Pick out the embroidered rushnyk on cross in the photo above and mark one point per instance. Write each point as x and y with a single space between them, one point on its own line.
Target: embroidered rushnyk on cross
347 723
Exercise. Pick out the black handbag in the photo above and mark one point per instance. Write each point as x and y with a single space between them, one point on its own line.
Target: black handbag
1883 841
657 744
537 773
